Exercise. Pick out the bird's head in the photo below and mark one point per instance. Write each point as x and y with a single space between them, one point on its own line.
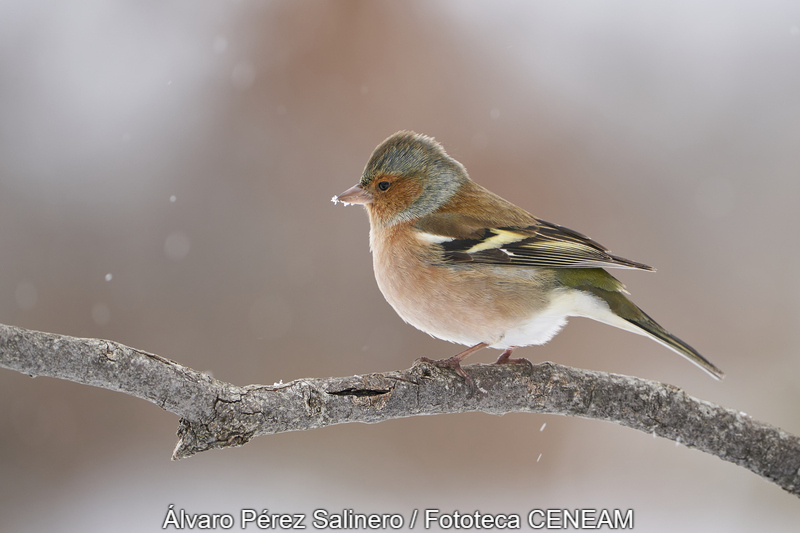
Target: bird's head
408 176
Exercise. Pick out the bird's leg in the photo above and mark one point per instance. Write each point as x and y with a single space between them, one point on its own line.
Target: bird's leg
454 363
505 358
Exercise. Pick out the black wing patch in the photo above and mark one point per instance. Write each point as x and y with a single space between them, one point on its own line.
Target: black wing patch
542 245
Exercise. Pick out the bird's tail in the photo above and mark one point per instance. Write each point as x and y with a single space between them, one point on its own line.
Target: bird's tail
637 321
660 335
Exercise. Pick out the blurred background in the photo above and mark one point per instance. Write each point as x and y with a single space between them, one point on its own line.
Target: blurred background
166 170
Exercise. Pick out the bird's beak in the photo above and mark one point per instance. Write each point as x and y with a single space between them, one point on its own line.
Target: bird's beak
353 195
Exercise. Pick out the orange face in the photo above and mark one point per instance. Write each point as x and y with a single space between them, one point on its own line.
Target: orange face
384 196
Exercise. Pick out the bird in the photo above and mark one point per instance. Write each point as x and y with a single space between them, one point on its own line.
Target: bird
464 265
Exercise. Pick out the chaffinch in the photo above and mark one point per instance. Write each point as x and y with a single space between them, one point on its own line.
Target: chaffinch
464 265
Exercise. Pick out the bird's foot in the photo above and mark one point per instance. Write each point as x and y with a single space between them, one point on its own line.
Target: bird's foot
454 364
505 359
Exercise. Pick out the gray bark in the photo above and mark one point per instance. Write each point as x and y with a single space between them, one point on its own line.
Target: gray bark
215 414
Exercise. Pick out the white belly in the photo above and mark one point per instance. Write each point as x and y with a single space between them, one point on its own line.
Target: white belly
565 303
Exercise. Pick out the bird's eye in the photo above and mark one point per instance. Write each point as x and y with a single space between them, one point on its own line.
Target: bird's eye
383 185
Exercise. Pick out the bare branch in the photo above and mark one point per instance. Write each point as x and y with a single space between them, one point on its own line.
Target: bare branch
215 414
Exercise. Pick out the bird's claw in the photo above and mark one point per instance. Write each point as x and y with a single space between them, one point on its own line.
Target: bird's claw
505 359
454 364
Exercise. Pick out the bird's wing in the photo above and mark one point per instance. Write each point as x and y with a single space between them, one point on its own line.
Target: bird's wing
542 244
